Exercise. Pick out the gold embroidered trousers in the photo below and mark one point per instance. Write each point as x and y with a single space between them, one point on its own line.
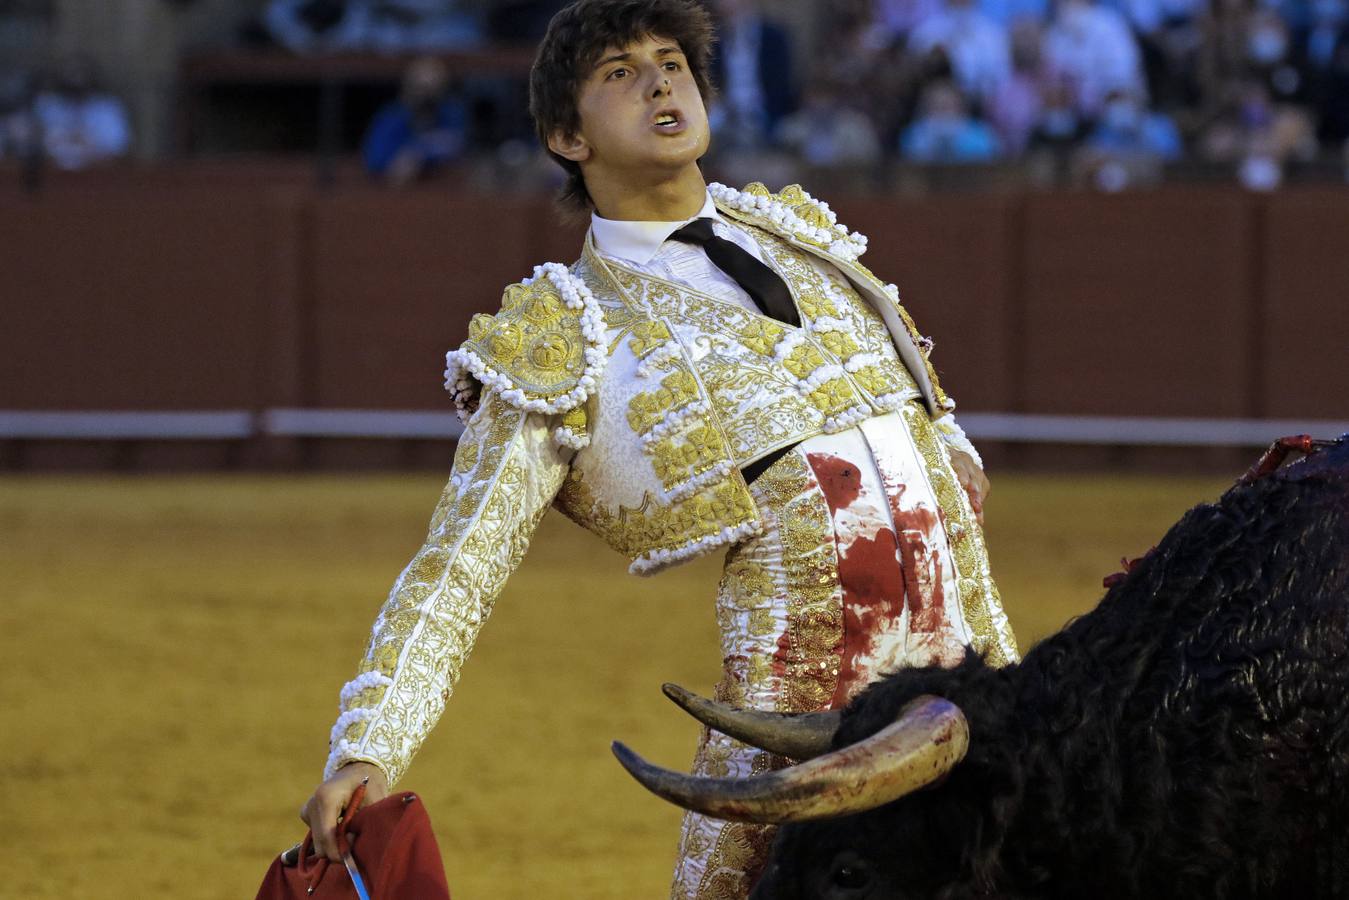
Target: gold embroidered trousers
869 561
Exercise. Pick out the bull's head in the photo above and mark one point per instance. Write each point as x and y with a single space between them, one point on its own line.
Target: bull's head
878 809
826 853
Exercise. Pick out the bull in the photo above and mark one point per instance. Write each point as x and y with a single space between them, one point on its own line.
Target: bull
1188 738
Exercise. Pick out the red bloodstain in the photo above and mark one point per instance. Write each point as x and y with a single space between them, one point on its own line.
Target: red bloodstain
783 654
918 532
839 479
873 597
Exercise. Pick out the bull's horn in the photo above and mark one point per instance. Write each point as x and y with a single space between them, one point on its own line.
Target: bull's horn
923 744
794 735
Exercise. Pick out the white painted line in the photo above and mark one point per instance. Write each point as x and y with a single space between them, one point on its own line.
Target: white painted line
419 424
362 423
1130 430
122 426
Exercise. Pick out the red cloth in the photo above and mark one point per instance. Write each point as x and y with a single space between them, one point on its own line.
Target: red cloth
394 849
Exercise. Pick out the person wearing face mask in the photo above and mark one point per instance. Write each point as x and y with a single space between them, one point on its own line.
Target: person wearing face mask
946 133
1127 129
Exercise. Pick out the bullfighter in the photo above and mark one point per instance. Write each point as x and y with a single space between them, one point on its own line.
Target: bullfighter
717 371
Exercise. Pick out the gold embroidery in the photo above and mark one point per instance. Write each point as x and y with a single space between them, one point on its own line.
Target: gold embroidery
840 344
648 409
761 335
678 461
834 396
979 600
647 335
803 360
815 600
653 526
535 339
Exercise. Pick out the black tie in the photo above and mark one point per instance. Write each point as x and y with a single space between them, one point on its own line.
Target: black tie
762 284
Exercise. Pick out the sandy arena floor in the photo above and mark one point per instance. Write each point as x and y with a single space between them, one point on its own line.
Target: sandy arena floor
174 647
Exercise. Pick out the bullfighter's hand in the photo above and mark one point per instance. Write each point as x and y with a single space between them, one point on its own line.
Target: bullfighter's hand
972 479
322 810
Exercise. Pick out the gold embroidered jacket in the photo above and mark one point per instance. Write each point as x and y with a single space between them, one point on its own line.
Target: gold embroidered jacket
632 403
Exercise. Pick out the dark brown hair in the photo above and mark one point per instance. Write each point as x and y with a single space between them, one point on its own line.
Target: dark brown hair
576 38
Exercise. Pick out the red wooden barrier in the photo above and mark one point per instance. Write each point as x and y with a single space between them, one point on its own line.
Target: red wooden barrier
1140 304
158 293
124 299
1304 338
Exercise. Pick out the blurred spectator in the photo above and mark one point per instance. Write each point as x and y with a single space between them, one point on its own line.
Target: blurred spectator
81 126
1223 60
826 132
1259 136
1014 107
419 132
894 19
422 26
946 132
976 46
752 65
1129 144
1008 12
1324 50
20 135
1127 128
1056 135
328 26
865 58
1169 36
1092 47
1325 32
318 26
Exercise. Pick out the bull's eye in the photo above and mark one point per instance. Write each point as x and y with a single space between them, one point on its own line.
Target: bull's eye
849 873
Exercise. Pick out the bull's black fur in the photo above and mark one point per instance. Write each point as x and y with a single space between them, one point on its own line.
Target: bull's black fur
1189 738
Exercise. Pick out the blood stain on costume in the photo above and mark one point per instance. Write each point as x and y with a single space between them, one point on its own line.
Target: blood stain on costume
868 571
873 599
918 531
839 479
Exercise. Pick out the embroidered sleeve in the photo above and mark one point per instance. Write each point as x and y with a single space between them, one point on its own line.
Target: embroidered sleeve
506 471
955 437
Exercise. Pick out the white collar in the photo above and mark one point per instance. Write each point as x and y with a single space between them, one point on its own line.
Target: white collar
637 242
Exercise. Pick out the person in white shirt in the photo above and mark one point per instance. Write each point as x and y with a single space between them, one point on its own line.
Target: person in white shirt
1092 48
717 372
976 45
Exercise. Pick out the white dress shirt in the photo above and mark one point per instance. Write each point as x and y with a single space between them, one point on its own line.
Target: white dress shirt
646 247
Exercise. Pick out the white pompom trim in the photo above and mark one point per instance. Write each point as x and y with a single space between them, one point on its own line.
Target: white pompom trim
362 682
346 720
696 483
846 419
566 437
576 295
674 420
653 561
658 358
841 243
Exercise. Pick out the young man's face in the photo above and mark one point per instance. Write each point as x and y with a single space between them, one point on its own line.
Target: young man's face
641 116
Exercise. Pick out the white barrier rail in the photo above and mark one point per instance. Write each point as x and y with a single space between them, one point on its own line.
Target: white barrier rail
420 424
